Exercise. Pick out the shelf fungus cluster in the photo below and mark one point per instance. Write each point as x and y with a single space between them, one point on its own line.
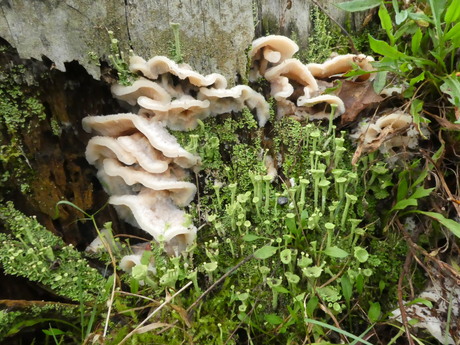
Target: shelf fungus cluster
140 164
298 88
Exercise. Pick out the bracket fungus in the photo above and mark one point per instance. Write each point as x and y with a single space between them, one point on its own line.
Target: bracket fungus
299 89
140 164
179 114
290 72
235 99
141 87
320 107
272 49
159 65
341 64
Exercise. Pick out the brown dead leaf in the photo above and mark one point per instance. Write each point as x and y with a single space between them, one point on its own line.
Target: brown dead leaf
23 304
182 313
446 123
356 96
151 327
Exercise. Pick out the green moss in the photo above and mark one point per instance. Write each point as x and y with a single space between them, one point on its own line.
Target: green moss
17 106
324 38
33 252
21 111
57 315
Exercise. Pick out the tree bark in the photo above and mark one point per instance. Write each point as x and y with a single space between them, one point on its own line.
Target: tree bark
214 33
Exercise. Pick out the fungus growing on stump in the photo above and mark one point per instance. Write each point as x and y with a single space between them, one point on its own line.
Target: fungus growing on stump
140 164
267 50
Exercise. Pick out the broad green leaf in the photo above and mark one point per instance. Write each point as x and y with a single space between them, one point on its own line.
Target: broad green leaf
453 33
438 154
418 78
358 5
265 252
421 177
380 81
383 48
250 237
53 331
335 252
273 319
423 301
403 186
281 289
437 8
347 288
387 23
374 312
28 323
453 12
421 193
451 87
401 205
311 305
416 41
419 62
450 224
401 16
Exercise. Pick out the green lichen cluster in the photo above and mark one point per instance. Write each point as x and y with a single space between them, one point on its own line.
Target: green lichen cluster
29 250
20 112
313 229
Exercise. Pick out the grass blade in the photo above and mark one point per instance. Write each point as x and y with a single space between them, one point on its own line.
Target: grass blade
338 330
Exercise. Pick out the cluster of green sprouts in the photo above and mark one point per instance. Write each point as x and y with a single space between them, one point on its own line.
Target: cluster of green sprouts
305 229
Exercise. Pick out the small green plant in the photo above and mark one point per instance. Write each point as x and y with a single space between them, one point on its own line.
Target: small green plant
21 111
119 61
176 47
423 39
306 229
29 250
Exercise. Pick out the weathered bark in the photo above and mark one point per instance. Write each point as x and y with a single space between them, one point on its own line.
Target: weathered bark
214 33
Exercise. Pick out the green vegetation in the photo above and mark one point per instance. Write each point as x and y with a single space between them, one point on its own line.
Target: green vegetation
324 39
46 257
21 112
118 61
31 251
304 256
